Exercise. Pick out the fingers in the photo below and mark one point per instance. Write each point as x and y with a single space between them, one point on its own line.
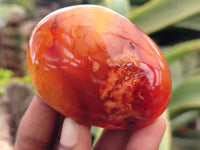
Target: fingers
37 127
41 126
74 136
147 138
113 140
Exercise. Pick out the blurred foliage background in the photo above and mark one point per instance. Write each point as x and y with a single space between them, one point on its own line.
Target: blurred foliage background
173 24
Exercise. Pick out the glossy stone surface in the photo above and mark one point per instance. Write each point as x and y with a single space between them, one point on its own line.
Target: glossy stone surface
96 67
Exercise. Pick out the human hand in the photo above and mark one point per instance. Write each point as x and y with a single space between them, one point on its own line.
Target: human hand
42 128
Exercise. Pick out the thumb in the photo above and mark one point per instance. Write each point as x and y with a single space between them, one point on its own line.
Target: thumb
74 136
150 135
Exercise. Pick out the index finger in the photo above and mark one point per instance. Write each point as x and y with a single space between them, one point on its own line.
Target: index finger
37 126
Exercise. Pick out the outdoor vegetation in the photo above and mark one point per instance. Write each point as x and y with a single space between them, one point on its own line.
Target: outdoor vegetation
173 24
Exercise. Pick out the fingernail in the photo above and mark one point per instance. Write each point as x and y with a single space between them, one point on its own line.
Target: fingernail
69 134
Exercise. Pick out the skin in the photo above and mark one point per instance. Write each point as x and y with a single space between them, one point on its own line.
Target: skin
41 128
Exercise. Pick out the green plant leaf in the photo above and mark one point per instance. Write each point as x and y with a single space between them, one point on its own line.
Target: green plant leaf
179 50
5 73
185 96
27 4
166 140
97 136
120 6
183 119
92 1
192 22
158 14
5 13
195 71
138 2
5 77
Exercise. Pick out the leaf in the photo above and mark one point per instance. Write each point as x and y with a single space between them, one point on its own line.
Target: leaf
120 6
184 67
138 2
183 119
92 1
195 71
192 22
5 77
5 73
181 49
27 4
5 13
166 140
185 96
97 136
158 14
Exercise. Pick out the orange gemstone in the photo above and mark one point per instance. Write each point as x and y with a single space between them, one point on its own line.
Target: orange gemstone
96 67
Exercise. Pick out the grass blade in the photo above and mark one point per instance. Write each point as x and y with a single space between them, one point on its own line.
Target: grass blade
120 6
158 14
192 22
181 49
186 96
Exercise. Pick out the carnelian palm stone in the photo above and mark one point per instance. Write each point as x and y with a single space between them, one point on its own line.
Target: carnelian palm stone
96 67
